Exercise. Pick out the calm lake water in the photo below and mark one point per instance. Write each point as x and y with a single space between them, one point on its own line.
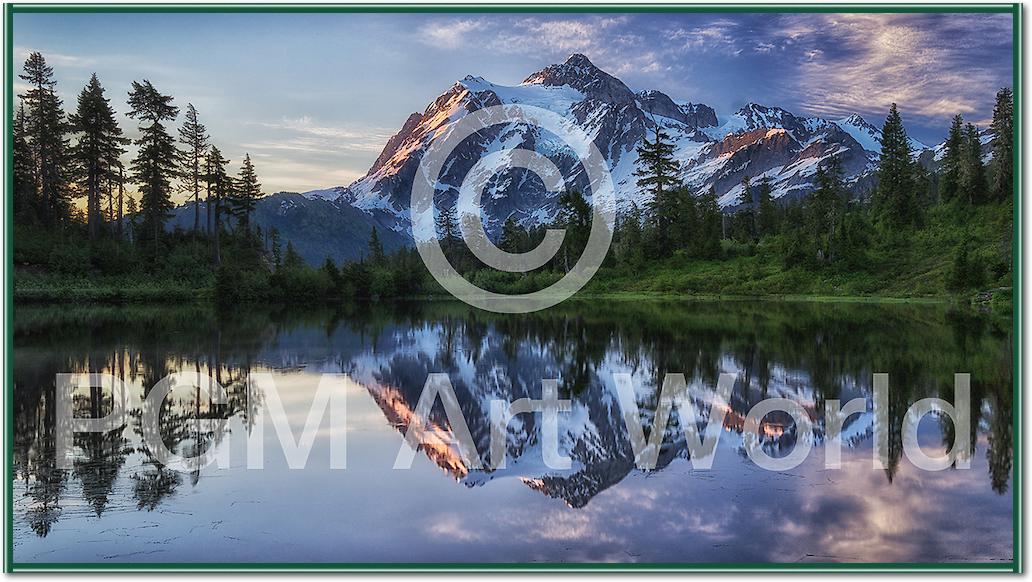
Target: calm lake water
117 505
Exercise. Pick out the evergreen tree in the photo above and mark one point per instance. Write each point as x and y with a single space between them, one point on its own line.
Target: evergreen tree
98 150
132 212
824 210
246 193
895 199
219 185
973 182
277 255
575 217
333 273
965 272
1003 146
686 219
376 254
657 173
745 217
953 161
447 224
291 258
48 145
629 240
194 136
22 172
766 216
710 225
154 167
512 236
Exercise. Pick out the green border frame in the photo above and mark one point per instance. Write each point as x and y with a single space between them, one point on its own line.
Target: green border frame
1016 247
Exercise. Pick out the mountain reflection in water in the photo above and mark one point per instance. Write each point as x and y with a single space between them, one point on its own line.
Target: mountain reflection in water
807 352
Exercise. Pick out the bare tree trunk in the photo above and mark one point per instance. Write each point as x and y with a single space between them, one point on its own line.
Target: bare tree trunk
216 250
110 203
196 200
208 203
93 204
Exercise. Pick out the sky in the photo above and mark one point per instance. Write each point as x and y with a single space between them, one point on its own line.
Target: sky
314 97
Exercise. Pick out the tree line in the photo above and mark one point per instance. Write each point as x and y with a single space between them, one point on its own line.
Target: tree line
61 157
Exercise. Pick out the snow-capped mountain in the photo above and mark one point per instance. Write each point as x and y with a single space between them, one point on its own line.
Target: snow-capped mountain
868 135
592 433
714 150
756 141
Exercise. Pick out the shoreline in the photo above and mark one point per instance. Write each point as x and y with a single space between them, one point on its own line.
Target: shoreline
203 297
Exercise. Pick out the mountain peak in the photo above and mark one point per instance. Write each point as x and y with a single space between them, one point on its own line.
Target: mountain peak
753 107
581 74
579 60
855 120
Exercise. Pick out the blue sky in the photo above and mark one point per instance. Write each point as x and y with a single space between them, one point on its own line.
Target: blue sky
313 97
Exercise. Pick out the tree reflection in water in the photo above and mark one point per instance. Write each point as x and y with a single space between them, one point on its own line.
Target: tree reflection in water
810 352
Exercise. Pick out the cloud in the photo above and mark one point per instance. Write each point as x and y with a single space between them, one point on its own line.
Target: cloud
301 153
301 175
723 35
54 59
304 134
450 35
933 66
592 35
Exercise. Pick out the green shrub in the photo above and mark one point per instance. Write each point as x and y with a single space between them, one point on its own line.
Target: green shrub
69 258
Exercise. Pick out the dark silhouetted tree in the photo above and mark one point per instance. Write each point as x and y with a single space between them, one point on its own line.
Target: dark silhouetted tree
1003 145
952 161
193 135
48 145
154 167
98 150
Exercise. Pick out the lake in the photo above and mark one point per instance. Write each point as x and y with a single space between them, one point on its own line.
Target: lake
117 504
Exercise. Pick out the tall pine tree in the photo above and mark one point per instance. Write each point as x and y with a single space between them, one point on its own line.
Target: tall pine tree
48 142
219 185
376 254
246 193
155 166
766 215
973 184
193 135
745 217
22 173
952 161
895 199
658 174
711 228
1003 145
447 224
98 150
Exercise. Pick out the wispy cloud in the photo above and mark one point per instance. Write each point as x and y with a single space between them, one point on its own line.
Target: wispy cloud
306 134
723 35
931 67
22 53
450 34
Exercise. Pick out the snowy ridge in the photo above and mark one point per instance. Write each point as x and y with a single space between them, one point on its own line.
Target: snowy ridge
757 141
